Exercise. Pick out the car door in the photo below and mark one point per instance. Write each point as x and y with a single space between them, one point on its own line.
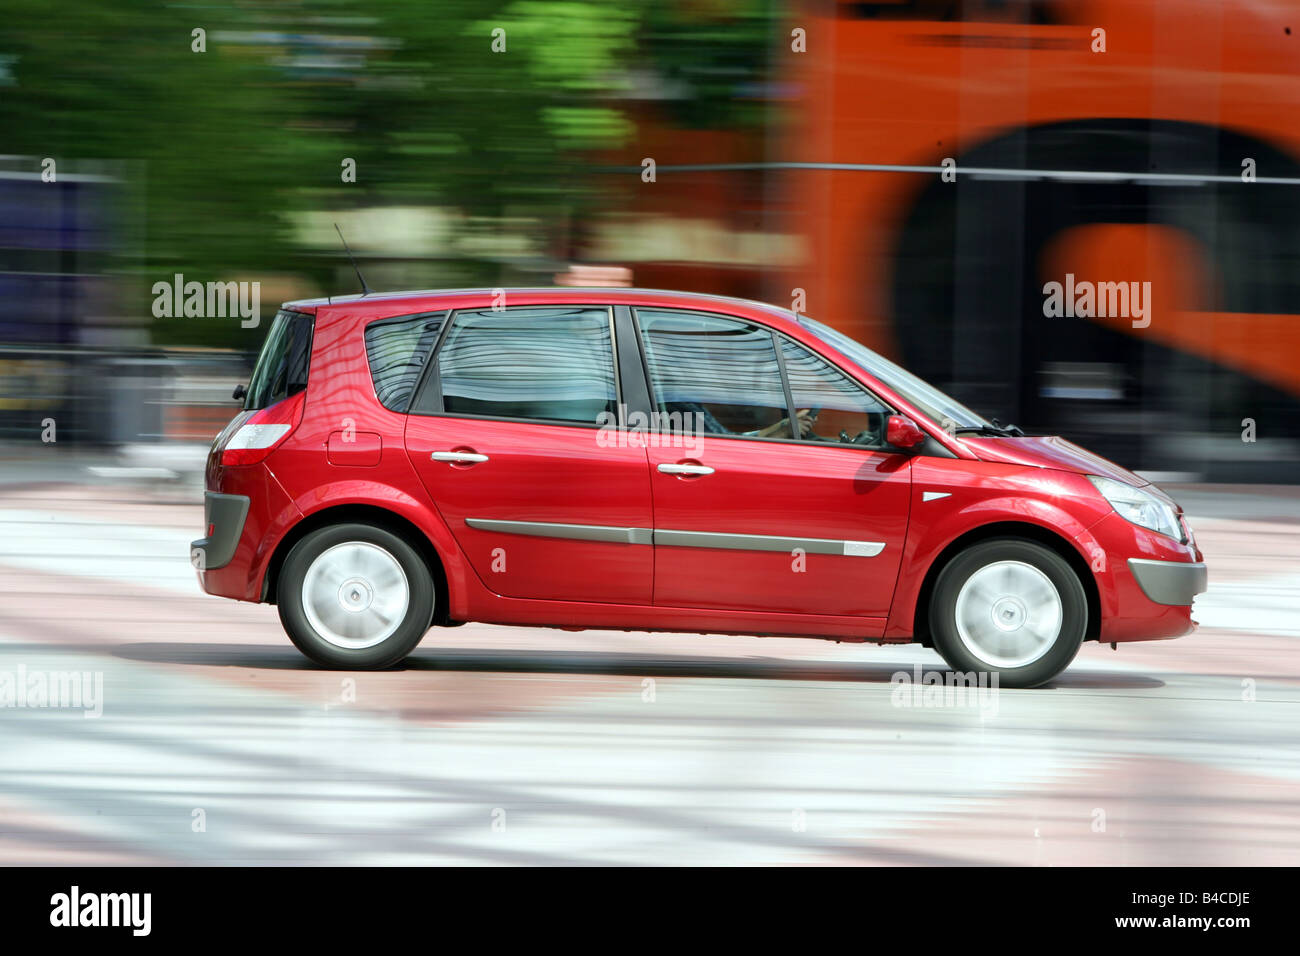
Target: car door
747 516
510 435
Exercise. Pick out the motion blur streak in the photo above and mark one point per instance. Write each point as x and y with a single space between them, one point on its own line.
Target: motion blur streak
913 172
736 751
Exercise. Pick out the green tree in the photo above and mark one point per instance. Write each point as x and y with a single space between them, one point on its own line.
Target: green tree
227 145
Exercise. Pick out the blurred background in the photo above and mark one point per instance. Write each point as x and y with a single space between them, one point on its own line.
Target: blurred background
797 151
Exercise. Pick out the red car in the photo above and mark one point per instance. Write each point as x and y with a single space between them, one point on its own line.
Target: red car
616 458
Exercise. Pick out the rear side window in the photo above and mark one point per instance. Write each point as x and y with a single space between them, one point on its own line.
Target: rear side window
281 368
397 350
548 364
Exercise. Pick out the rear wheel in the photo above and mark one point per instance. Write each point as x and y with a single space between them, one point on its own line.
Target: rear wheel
355 596
1010 607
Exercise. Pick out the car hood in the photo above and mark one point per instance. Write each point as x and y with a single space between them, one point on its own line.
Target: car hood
1049 451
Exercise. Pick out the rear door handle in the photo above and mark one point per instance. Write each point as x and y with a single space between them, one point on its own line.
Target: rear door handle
463 457
668 469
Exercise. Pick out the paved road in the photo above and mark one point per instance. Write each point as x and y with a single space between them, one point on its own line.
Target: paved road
217 743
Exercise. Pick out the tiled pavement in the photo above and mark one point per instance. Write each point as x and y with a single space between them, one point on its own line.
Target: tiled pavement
501 745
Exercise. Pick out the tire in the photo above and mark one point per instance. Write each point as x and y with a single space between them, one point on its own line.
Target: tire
1009 607
355 597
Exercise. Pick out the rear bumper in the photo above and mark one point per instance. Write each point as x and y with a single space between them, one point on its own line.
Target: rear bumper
224 517
247 517
1171 583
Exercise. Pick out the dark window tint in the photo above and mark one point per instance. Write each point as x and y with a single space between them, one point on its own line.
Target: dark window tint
831 406
550 364
397 350
281 369
721 372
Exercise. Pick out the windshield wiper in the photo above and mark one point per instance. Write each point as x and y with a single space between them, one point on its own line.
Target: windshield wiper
996 430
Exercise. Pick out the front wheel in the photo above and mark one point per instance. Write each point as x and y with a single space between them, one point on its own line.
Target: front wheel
1009 607
355 596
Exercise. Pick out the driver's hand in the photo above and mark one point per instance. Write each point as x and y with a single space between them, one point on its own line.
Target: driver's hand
804 417
806 420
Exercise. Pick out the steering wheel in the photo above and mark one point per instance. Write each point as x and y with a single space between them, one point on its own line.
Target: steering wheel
869 436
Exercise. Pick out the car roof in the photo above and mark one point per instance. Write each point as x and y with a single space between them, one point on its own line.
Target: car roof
395 303
378 305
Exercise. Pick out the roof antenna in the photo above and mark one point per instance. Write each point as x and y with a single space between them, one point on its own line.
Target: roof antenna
365 289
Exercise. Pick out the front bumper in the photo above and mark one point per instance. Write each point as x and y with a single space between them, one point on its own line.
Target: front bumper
1171 583
1145 581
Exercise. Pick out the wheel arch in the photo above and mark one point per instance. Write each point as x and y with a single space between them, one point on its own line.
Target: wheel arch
1006 529
390 521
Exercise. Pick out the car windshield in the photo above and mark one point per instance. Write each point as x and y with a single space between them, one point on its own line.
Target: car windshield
936 404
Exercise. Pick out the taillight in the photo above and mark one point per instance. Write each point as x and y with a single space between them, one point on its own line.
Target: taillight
263 431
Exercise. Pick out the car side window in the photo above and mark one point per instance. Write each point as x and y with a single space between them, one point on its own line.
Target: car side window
721 372
397 350
832 407
551 364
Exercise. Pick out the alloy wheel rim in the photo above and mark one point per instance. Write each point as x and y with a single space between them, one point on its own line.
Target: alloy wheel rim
355 595
1008 614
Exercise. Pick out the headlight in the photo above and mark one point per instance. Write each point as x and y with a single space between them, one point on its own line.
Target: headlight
1139 506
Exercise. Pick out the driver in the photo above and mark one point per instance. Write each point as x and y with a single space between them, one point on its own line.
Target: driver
805 416
709 424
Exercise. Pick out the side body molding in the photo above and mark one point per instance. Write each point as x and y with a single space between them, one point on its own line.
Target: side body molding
576 532
680 539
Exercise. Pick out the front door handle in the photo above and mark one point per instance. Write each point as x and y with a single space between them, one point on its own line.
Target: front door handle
458 457
668 469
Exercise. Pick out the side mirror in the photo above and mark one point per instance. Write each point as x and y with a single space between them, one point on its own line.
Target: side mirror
902 432
239 392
